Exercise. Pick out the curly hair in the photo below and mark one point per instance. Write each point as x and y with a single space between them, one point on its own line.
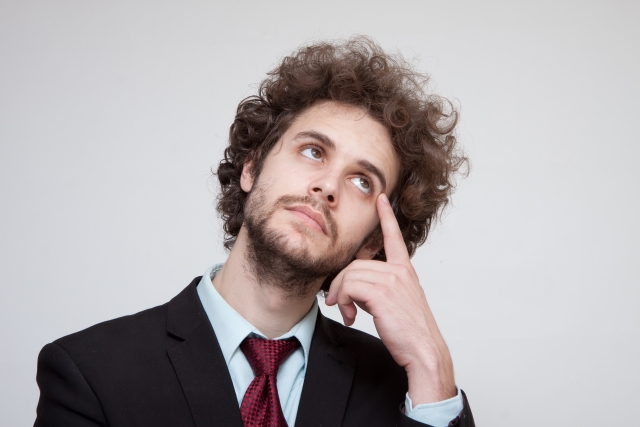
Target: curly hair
355 72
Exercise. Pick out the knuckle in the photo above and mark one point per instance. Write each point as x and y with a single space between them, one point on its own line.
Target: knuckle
395 280
405 272
347 286
384 292
356 264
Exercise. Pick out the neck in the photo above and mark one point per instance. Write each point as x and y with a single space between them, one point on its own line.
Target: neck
271 309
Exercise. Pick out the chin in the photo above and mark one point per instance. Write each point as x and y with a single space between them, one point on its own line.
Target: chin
300 241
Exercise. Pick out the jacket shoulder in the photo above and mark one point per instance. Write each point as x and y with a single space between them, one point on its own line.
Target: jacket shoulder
119 370
139 333
125 332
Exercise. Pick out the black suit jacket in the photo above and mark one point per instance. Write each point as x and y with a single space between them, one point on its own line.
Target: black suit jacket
164 367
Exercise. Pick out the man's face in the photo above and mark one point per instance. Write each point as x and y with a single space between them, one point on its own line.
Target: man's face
318 186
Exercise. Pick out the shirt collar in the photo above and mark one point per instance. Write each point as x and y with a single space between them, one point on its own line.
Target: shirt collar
231 328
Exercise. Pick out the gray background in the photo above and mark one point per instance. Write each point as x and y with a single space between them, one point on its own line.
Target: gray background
113 113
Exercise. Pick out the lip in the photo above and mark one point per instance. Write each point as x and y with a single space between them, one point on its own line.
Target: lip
311 216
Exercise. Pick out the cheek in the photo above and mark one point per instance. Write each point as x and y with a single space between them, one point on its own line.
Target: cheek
279 181
360 225
287 173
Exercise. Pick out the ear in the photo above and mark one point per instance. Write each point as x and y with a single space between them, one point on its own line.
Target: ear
246 179
372 246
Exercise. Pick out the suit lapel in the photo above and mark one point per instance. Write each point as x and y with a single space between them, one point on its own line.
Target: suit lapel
328 379
199 364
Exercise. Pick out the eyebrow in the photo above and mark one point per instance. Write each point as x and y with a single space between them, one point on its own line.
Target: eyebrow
328 142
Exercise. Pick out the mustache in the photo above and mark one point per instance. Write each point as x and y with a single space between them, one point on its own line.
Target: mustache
289 200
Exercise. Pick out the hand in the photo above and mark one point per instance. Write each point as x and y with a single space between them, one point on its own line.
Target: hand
390 291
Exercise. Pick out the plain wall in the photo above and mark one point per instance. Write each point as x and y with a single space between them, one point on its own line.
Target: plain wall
113 113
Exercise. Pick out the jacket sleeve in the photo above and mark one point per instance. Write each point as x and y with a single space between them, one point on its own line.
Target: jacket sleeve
66 399
464 418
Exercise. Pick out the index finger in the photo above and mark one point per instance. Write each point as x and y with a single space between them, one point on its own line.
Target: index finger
394 246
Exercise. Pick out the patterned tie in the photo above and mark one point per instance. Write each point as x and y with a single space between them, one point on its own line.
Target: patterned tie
261 404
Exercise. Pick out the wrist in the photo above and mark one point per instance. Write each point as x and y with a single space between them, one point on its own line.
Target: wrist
431 379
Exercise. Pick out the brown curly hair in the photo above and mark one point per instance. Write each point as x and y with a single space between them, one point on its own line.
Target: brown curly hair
355 72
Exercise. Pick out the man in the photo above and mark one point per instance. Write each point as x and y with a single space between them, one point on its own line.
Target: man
333 177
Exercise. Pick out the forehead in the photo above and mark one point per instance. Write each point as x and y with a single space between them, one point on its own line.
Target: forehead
356 135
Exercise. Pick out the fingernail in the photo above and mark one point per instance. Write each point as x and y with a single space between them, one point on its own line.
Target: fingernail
384 198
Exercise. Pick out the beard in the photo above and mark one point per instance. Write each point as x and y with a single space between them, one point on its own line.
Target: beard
276 261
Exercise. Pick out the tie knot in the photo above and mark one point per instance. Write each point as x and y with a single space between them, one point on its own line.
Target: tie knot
266 356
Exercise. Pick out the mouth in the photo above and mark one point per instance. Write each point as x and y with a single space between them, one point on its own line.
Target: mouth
310 217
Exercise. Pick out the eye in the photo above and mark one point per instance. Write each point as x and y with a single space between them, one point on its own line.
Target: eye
313 153
362 183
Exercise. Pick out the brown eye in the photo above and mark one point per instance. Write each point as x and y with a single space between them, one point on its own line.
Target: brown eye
363 184
312 153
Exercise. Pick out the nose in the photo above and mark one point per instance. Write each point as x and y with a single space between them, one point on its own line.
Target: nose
326 187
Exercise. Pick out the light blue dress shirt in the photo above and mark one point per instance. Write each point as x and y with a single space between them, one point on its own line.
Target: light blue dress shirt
231 329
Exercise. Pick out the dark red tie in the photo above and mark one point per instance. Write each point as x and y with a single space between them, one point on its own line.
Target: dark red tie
261 404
